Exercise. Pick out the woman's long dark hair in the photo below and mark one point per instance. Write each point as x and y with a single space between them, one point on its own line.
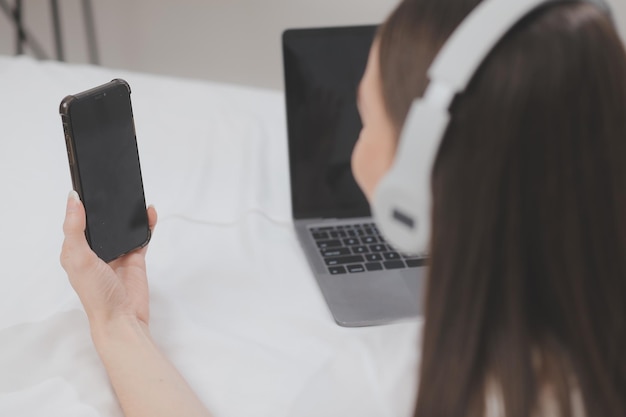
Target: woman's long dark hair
526 298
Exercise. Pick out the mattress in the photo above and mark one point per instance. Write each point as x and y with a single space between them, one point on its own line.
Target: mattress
233 303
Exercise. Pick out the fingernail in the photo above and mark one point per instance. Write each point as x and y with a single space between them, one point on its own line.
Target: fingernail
72 200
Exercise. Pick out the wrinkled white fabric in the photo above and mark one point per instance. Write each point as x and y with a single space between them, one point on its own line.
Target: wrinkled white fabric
234 304
53 397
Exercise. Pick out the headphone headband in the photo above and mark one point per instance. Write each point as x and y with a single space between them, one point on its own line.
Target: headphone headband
402 201
474 39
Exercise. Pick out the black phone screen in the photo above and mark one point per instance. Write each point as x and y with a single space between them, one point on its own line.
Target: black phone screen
107 169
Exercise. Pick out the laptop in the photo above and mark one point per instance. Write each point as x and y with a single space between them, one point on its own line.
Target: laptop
363 279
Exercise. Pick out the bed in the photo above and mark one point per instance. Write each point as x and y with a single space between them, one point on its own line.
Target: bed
233 303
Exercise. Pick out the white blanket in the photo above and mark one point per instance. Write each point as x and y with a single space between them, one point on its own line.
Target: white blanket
234 304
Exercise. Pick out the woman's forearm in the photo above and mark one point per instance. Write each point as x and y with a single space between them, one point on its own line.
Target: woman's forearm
145 381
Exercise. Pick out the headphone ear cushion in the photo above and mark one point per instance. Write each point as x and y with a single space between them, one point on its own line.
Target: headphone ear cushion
402 201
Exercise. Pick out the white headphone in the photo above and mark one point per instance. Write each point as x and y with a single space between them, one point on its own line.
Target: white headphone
402 200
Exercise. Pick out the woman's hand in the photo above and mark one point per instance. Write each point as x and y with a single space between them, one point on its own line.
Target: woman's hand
107 291
115 297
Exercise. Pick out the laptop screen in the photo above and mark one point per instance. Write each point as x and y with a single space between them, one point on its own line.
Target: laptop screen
323 68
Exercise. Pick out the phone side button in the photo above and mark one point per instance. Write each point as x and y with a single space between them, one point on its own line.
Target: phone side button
70 154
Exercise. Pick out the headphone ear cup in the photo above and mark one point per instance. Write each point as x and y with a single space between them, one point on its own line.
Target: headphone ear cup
402 201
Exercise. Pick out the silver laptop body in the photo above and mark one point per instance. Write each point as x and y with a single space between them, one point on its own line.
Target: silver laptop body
364 281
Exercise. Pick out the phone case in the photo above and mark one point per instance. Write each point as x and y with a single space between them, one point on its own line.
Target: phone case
64 110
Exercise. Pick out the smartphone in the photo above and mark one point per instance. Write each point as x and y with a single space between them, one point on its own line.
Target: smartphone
104 164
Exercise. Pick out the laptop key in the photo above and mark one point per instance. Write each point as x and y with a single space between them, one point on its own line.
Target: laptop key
320 235
360 249
374 266
355 268
343 260
351 233
336 252
322 244
374 257
351 241
390 256
337 270
393 264
414 263
368 240
322 229
378 248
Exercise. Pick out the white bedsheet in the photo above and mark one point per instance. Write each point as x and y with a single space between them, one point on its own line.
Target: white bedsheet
233 302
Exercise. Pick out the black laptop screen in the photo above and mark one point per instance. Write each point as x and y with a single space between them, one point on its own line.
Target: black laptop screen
323 68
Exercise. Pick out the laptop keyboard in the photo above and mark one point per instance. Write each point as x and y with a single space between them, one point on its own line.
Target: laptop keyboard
358 248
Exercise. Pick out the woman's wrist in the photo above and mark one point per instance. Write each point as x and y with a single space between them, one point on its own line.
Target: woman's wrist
144 380
110 335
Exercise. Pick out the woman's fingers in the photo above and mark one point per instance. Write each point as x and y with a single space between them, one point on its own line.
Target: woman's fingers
76 254
152 217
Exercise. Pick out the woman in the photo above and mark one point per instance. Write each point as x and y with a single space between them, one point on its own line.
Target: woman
528 251
525 312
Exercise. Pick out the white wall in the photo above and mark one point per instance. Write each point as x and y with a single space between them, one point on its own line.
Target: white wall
225 40
234 41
